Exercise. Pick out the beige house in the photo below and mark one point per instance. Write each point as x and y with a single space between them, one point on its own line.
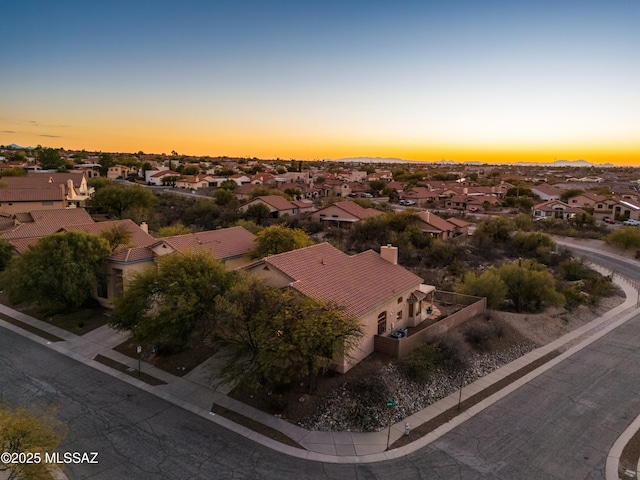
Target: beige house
118 171
231 246
371 287
436 227
194 182
20 200
44 190
278 206
344 214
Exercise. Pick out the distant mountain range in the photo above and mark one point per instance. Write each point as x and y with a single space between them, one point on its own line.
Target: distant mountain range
557 163
13 146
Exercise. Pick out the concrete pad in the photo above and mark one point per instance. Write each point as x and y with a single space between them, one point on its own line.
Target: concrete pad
344 450
316 437
370 449
342 438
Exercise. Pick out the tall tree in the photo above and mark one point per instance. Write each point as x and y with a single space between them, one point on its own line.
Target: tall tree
278 239
115 199
166 305
50 159
277 335
105 161
61 268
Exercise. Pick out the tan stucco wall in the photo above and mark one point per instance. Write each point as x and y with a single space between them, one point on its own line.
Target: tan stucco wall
333 210
24 207
369 322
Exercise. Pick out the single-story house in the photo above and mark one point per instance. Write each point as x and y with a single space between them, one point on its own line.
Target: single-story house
371 287
344 214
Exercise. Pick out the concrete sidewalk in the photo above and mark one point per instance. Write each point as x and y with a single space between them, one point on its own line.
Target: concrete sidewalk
198 390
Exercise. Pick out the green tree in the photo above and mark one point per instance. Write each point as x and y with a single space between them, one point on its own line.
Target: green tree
99 182
50 159
22 431
624 237
166 305
118 237
13 172
224 196
377 185
105 161
61 268
229 185
6 252
258 213
278 336
278 239
572 192
493 230
529 285
115 199
488 284
173 230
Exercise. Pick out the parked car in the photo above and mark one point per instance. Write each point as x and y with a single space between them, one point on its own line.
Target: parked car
402 202
609 220
408 203
631 222
366 195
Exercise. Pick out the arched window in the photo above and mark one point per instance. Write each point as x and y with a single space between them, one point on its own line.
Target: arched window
382 323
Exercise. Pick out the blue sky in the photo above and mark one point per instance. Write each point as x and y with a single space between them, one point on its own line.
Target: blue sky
421 80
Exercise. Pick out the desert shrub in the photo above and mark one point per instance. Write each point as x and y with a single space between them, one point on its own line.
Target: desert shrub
421 363
573 298
488 284
598 287
480 335
531 241
625 237
454 352
574 269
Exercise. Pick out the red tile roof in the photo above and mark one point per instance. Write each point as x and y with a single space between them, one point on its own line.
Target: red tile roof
358 283
222 244
139 238
276 201
47 222
357 211
436 222
39 194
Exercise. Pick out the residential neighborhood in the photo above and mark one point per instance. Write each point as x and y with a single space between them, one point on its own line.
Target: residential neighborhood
374 261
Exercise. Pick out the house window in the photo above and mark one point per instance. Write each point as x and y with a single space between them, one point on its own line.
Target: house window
334 216
399 315
382 323
610 207
411 309
118 285
599 206
102 285
400 300
323 214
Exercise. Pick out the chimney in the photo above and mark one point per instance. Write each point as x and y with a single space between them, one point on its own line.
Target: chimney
389 253
144 227
465 190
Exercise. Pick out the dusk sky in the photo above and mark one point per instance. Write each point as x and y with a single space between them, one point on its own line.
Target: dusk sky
420 80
